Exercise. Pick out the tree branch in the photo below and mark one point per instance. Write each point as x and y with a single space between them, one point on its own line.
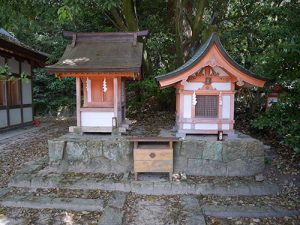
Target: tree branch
197 22
118 20
130 16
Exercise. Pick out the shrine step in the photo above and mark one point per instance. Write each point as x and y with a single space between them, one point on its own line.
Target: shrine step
159 187
46 202
239 211
84 129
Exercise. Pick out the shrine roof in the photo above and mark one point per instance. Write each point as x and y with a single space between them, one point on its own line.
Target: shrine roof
101 52
201 53
11 45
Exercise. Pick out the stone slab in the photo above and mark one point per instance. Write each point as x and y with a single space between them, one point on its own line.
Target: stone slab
46 202
4 191
117 200
235 211
190 206
150 187
111 216
195 219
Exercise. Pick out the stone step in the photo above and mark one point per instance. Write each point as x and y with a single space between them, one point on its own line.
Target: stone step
237 211
47 202
4 191
111 216
147 187
190 206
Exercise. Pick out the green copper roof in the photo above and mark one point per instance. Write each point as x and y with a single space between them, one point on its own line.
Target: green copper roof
200 53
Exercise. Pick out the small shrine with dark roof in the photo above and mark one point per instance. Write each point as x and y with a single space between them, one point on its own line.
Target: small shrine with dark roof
205 87
101 63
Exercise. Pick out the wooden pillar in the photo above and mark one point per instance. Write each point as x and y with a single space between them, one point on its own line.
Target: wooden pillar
21 92
78 100
116 98
7 94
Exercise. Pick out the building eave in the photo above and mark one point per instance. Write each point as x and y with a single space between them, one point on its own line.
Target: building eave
200 54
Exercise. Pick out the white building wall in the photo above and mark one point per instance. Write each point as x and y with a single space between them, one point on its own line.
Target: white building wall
13 65
26 92
192 86
221 86
26 68
226 106
187 126
15 116
187 106
225 126
27 114
3 118
206 126
97 119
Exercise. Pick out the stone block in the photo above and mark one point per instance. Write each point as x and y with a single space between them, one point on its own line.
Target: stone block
177 147
192 149
233 150
180 164
117 200
142 187
94 148
206 167
113 150
111 216
123 186
162 188
255 165
189 203
75 150
237 167
179 188
213 150
255 148
56 150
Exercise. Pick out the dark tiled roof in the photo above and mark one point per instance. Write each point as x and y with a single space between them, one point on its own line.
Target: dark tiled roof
201 52
99 52
9 41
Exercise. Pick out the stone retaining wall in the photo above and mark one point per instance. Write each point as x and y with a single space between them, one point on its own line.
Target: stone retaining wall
91 153
232 157
195 156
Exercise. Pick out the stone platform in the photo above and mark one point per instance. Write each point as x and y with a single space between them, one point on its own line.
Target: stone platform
195 155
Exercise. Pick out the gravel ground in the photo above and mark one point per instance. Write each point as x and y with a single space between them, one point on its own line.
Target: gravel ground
16 151
19 216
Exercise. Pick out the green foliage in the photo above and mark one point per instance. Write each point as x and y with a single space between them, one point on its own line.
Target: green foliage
283 119
51 93
146 95
5 73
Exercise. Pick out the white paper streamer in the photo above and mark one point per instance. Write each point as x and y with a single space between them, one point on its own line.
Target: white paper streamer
104 86
88 90
194 99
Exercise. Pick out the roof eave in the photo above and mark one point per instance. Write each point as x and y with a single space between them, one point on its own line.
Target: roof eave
213 39
91 70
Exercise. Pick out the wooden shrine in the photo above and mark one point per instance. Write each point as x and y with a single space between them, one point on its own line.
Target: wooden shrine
205 87
101 63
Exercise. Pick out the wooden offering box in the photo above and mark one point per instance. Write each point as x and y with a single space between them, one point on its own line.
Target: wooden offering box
153 154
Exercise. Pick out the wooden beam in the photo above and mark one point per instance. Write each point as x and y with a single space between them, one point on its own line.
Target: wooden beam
78 100
116 98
